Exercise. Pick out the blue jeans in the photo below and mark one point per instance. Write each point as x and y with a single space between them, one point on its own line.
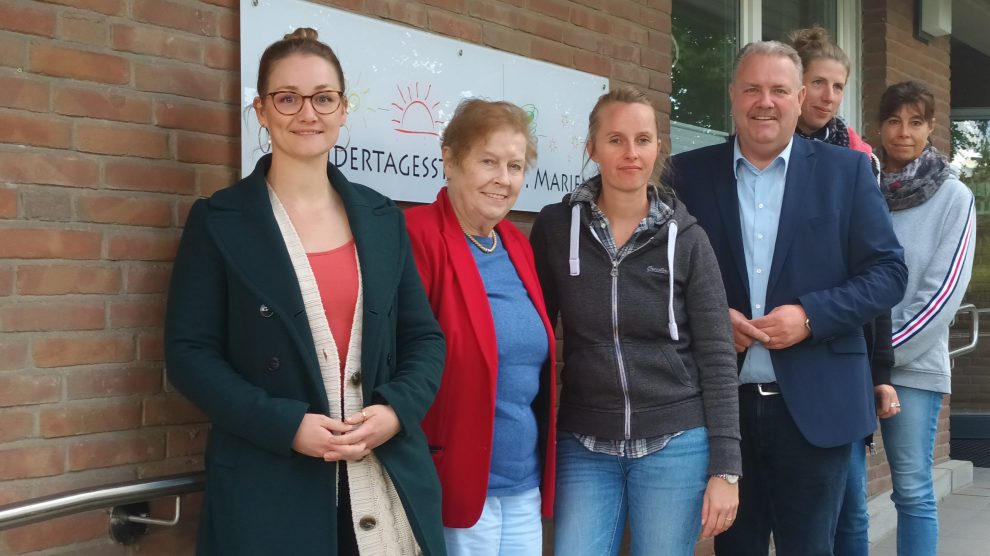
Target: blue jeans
509 525
909 440
661 494
852 531
789 486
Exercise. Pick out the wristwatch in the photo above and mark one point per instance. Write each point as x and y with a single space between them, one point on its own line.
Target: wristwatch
731 479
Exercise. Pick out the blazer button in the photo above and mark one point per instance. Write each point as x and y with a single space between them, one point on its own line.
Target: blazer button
274 364
356 379
265 311
367 523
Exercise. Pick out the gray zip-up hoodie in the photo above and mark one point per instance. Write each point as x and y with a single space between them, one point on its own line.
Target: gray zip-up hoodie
630 372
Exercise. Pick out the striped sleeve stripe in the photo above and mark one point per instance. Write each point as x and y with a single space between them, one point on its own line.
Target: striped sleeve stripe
941 297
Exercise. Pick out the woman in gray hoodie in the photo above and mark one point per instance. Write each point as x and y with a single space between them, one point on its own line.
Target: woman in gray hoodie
648 415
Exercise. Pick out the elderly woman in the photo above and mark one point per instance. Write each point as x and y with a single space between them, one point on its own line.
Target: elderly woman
297 322
649 412
491 429
826 70
934 219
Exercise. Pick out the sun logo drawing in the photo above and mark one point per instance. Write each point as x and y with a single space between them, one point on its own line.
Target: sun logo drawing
415 113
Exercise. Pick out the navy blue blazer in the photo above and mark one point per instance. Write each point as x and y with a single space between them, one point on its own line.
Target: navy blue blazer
836 254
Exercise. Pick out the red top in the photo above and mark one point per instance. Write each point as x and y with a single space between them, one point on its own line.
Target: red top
459 425
337 278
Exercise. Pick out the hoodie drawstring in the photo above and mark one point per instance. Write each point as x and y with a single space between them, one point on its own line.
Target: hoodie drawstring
575 259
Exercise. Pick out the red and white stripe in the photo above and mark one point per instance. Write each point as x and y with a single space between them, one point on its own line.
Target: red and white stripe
942 295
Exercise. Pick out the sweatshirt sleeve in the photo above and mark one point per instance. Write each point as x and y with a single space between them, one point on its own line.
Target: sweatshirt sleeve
538 241
925 312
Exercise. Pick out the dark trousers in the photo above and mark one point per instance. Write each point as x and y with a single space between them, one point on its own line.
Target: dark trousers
788 487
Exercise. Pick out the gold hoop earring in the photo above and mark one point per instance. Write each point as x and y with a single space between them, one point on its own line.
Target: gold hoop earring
262 144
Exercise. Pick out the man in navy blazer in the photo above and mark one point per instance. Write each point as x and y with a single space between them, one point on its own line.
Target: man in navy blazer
806 260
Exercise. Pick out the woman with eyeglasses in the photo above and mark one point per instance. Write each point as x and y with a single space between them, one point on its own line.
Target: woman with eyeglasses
297 321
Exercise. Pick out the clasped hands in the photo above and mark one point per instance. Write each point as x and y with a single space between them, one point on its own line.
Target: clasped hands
353 438
779 329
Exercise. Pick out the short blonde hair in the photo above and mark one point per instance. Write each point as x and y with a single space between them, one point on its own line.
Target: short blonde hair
475 119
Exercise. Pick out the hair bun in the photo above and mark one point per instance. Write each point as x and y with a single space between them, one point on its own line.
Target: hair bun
302 33
815 37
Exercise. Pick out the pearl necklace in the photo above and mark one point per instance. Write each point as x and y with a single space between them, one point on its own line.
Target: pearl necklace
486 250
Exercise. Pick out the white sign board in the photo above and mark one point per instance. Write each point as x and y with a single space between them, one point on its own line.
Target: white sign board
403 86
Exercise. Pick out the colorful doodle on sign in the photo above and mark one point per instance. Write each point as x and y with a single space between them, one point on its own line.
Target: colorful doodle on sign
415 113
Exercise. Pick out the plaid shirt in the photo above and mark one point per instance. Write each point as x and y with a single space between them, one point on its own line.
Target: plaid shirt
598 222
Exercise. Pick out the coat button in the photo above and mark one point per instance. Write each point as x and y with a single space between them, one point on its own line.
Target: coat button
367 523
265 311
388 358
274 364
356 379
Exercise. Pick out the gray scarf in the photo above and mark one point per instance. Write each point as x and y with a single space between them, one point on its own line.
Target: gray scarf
917 182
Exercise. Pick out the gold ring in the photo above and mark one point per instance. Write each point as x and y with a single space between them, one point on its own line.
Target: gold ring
365 415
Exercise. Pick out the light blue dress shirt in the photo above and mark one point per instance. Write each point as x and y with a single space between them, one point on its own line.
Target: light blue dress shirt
761 195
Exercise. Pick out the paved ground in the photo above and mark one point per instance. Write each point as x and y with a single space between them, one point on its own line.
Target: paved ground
964 522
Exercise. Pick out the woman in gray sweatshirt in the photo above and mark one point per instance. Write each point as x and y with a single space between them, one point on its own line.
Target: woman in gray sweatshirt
648 418
934 219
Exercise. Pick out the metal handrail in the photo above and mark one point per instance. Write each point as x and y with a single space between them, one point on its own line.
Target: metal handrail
974 314
67 503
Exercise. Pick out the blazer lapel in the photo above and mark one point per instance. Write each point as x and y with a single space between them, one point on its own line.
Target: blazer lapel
793 209
727 198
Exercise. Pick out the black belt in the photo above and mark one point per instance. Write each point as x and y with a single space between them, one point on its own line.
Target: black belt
763 389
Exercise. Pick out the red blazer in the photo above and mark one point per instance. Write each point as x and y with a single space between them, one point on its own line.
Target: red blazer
460 424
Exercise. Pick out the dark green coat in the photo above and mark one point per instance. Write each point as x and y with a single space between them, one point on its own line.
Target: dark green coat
238 345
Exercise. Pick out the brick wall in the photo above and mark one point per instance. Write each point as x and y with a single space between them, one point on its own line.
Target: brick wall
114 116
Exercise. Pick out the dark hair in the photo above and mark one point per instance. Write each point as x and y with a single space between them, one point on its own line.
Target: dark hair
303 40
907 93
815 44
626 94
475 119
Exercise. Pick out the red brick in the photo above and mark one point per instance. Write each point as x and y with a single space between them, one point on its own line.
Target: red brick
229 26
224 3
102 104
506 39
156 42
6 280
34 243
53 204
204 149
138 312
8 203
172 466
552 52
621 50
633 32
541 26
103 139
209 180
117 450
88 29
223 55
124 210
63 279
47 59
454 26
48 168
31 461
398 10
24 93
592 63
169 541
171 410
589 19
34 130
27 388
145 176
457 6
57 532
151 346
108 7
24 19
187 82
107 382
13 51
195 117
16 424
189 441
176 16
635 74
182 208
554 8
39 316
147 279
492 11
142 247
82 350
75 418
13 353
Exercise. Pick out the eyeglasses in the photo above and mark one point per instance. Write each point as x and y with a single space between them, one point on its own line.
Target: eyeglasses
288 103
